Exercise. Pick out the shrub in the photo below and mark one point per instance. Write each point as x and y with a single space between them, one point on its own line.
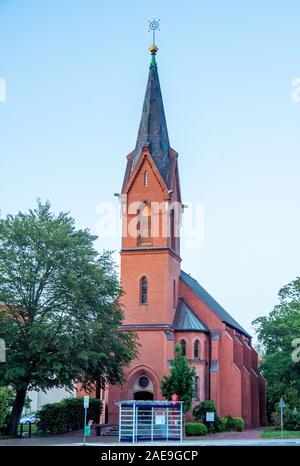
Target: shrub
195 428
291 419
238 424
230 423
200 410
221 424
67 415
225 424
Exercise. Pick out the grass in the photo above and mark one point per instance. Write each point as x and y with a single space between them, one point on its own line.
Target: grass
272 433
26 428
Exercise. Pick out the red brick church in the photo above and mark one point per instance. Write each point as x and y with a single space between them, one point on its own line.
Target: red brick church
162 303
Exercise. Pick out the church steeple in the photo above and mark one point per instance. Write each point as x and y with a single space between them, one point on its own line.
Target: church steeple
153 130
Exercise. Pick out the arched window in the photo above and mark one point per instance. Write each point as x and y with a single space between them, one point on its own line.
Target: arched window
145 225
183 347
196 388
196 349
174 293
205 350
146 178
143 290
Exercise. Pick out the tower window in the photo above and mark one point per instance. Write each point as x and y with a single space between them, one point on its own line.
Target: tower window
146 178
183 347
145 225
143 290
196 349
172 229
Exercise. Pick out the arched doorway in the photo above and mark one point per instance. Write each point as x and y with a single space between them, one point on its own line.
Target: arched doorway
143 395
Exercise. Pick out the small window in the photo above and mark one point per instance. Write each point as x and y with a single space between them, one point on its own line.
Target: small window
196 388
143 290
172 232
146 178
183 347
196 349
174 293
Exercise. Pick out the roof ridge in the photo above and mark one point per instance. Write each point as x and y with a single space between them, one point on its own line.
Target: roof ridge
210 301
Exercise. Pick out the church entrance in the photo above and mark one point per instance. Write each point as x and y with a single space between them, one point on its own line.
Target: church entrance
143 395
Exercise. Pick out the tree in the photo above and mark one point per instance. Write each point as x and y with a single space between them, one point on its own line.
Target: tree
60 310
180 380
276 333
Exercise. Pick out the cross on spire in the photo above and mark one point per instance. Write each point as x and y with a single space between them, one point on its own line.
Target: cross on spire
154 26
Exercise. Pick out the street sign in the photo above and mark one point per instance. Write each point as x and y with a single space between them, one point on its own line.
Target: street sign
281 403
281 406
210 416
86 428
86 401
87 431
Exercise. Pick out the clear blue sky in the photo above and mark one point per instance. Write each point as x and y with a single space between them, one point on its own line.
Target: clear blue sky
76 73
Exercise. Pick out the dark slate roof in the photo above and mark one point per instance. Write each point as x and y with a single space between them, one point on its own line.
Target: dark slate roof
153 130
211 303
186 319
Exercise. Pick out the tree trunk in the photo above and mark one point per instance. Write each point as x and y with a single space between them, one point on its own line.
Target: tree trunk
16 413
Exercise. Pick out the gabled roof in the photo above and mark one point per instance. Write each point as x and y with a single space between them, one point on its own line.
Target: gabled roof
186 319
153 130
211 302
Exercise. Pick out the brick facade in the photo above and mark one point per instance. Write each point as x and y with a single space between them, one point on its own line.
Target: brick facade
225 362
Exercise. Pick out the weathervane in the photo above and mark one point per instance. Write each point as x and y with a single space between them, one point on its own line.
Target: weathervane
154 26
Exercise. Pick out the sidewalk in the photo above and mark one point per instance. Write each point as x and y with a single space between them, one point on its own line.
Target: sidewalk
248 437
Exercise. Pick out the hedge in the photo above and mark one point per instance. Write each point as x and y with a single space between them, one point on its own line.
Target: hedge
67 415
238 424
195 428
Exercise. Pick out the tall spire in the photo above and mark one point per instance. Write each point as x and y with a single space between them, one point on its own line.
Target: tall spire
153 130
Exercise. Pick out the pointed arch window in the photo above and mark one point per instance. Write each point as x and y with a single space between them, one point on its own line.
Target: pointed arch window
145 225
143 290
183 347
196 349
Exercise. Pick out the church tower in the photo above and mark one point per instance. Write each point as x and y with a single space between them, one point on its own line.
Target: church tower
150 251
151 205
164 305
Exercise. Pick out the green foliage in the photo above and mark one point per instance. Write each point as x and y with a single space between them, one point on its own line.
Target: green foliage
291 419
180 380
200 410
195 428
4 405
223 424
238 424
276 333
67 415
199 413
62 307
